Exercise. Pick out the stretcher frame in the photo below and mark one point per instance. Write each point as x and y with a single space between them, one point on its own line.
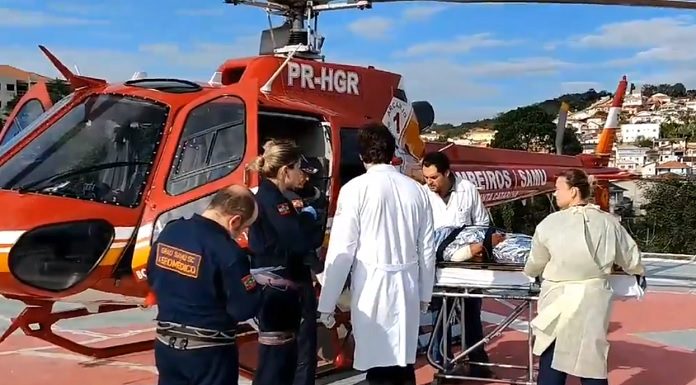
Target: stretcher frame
528 294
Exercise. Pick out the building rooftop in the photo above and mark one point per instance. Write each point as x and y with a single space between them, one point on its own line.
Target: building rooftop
673 165
8 71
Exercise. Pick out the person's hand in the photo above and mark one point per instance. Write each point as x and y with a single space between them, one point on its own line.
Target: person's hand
424 306
311 210
496 238
327 319
476 250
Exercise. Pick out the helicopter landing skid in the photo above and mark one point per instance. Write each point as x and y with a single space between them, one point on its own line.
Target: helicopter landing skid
42 317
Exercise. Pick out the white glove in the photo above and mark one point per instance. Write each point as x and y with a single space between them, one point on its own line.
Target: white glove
327 319
424 307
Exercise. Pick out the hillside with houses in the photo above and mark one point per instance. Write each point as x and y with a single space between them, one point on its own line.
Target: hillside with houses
652 139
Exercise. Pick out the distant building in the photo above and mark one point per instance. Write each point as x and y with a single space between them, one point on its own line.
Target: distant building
673 167
633 102
630 158
14 81
630 133
479 136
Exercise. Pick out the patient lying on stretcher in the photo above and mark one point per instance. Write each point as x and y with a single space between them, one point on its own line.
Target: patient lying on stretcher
471 244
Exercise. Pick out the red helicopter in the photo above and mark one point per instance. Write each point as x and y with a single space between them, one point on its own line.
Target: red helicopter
88 183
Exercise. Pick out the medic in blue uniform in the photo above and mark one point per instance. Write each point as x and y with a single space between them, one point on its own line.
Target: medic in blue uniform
306 371
204 288
278 240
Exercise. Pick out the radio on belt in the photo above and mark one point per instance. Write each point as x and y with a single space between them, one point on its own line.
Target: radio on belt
330 79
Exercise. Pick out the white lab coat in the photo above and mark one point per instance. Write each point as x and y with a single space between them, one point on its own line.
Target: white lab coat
574 250
464 206
382 233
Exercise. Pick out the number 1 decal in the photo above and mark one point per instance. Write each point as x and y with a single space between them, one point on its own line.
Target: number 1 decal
397 121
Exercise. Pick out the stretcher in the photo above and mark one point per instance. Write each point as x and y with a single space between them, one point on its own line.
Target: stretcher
506 284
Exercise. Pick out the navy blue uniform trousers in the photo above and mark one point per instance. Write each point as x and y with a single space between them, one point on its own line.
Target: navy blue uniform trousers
550 376
280 312
217 365
307 337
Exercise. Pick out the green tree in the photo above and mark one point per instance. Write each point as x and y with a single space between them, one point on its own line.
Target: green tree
532 129
58 89
669 223
676 90
643 142
518 217
11 105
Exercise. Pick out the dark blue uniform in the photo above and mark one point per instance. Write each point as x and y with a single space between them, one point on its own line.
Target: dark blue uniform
203 286
306 371
277 238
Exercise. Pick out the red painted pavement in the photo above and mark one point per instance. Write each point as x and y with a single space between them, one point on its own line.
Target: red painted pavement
633 361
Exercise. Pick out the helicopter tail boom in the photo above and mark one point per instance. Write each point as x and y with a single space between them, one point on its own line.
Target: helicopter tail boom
76 81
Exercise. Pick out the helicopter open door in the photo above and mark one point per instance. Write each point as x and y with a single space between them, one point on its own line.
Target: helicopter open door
30 106
208 147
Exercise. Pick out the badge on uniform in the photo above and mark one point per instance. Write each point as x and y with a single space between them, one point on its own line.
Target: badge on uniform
178 260
284 209
249 282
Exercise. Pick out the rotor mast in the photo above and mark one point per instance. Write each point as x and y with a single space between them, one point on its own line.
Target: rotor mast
298 36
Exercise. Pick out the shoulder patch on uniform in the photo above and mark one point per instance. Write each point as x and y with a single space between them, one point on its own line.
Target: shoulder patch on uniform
177 260
283 208
249 282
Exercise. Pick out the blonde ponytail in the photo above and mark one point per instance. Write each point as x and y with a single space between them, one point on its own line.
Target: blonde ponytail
276 154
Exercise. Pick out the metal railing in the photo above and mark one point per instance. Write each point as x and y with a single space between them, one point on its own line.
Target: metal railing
678 257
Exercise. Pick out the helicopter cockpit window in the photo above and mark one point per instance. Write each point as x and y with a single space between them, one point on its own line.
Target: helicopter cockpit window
16 131
211 146
28 114
101 150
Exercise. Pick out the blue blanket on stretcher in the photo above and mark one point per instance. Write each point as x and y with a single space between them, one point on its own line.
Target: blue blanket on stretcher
513 250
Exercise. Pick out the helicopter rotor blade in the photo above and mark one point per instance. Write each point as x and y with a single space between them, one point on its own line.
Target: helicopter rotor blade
678 4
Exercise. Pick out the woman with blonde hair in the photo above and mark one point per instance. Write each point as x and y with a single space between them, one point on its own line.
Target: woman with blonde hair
574 251
278 241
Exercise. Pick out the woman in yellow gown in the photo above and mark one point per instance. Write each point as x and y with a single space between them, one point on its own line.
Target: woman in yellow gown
574 250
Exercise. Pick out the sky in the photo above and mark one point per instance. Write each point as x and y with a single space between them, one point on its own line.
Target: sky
471 61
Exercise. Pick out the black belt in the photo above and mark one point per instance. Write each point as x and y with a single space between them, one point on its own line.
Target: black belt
193 334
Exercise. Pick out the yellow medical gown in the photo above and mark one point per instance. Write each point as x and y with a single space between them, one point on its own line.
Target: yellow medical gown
574 250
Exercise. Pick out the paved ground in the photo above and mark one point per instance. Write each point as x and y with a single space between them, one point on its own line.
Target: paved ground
653 342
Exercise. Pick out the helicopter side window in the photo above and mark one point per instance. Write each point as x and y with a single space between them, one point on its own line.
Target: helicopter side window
29 112
14 134
351 165
101 150
212 144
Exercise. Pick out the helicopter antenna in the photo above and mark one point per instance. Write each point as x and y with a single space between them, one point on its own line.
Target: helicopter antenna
266 89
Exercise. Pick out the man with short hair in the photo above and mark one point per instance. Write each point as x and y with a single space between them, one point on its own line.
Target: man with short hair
457 202
204 288
382 234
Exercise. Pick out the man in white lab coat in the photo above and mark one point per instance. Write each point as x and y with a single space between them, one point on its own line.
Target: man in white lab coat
457 202
382 233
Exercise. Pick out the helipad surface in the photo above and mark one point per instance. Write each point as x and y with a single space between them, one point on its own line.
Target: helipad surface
653 342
